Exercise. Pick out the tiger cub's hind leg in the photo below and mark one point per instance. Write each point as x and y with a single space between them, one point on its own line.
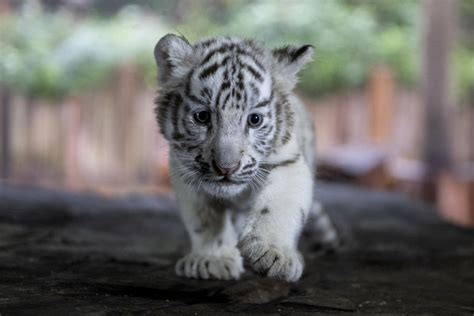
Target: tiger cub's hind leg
321 230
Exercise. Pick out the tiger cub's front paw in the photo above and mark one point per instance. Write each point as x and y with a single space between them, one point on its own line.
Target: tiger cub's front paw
222 266
270 260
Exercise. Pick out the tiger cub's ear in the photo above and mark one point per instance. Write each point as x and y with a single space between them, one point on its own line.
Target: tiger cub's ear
289 60
174 58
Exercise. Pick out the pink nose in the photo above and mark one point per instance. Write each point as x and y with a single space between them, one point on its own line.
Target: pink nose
226 170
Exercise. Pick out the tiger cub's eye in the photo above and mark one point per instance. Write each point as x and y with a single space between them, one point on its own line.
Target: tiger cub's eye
254 120
202 117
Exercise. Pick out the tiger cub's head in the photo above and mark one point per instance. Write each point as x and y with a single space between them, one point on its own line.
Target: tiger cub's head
223 108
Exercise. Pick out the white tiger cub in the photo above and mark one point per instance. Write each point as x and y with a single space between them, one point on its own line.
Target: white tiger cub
241 154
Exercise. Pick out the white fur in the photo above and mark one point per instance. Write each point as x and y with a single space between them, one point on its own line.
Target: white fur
231 222
287 196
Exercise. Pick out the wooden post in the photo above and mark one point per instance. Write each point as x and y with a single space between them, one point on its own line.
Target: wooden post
72 124
124 107
382 86
471 125
5 152
438 38
5 159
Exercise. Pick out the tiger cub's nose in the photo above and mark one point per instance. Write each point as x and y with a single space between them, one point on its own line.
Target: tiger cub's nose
225 169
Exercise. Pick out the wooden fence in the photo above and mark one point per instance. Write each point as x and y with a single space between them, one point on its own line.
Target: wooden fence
108 139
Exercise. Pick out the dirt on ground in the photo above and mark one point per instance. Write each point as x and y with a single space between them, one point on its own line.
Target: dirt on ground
69 253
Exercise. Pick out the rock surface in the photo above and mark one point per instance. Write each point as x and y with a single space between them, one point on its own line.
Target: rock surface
64 253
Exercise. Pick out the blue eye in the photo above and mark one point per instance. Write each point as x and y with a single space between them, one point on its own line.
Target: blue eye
254 119
202 117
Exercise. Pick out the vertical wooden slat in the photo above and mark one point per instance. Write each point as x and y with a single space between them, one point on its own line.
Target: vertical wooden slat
126 88
5 150
72 116
382 87
438 37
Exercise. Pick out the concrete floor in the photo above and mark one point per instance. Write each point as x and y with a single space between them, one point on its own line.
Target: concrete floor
63 253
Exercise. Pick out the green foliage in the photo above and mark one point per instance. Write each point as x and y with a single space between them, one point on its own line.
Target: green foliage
464 70
466 22
53 54
25 53
397 43
50 55
349 36
397 48
464 54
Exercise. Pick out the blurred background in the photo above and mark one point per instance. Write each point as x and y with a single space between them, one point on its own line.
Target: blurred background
391 90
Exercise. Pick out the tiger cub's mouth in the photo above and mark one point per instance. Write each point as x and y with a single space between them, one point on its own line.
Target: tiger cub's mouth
226 181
